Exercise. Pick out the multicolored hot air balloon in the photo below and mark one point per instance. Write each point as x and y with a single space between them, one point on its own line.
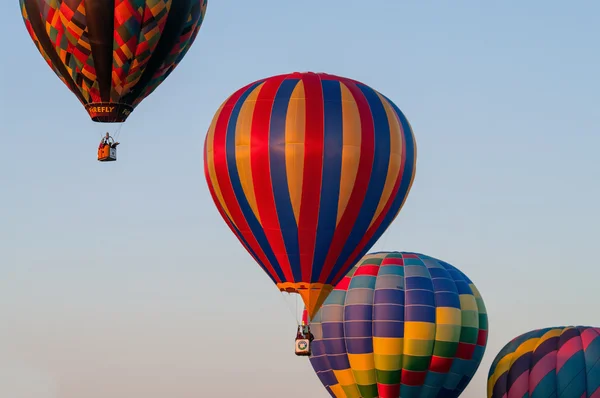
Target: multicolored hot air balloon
561 361
113 53
400 325
308 170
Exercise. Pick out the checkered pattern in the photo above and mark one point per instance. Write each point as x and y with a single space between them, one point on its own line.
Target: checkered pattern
400 325
188 36
36 41
138 27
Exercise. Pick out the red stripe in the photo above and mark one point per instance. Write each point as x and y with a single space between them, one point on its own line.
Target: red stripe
305 317
344 284
371 270
465 350
413 378
410 255
220 208
222 175
440 365
357 197
375 226
482 337
392 261
388 390
313 172
371 231
261 172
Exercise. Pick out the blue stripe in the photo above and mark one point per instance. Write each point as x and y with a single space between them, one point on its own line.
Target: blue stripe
388 312
444 285
419 313
247 212
332 170
570 379
252 253
379 171
409 169
447 299
358 312
418 282
420 297
358 329
281 192
360 345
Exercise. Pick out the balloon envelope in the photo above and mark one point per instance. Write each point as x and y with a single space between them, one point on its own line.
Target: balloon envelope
308 170
113 53
562 361
400 325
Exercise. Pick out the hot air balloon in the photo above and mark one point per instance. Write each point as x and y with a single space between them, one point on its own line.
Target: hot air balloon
308 170
113 53
400 325
562 361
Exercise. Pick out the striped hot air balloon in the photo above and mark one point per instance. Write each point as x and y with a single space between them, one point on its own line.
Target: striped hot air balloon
562 361
113 53
400 325
308 170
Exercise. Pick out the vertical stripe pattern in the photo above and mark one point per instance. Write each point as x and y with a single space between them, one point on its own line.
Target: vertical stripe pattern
112 53
308 171
399 325
559 361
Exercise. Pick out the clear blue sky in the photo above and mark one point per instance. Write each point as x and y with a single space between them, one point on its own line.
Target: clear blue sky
122 280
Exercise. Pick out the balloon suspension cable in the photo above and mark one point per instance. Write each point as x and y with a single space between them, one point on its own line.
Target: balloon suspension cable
298 313
382 241
293 312
118 129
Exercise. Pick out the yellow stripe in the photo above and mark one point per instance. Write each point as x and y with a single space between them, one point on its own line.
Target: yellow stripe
502 366
525 347
388 345
550 334
350 150
388 362
418 331
345 377
475 290
468 303
365 377
449 333
490 387
505 363
360 362
338 391
295 126
448 316
418 347
414 164
242 148
395 156
210 161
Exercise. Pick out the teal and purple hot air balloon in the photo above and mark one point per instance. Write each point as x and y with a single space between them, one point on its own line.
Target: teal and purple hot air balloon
559 361
400 325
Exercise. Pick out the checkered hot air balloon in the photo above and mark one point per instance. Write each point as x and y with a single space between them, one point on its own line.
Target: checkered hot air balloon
400 325
308 170
561 361
113 53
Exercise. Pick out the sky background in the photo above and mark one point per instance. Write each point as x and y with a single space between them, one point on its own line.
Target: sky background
122 280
